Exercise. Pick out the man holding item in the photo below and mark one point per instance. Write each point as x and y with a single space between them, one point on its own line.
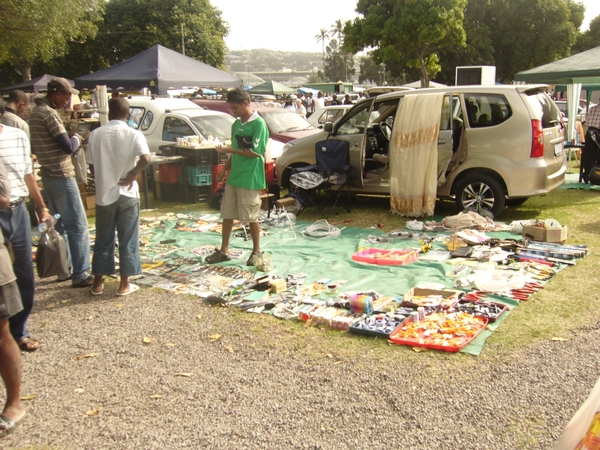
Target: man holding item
53 148
112 153
15 154
241 200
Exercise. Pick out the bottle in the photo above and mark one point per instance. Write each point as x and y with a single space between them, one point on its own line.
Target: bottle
42 227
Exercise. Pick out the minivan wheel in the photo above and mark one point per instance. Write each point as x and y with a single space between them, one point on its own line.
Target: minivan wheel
477 192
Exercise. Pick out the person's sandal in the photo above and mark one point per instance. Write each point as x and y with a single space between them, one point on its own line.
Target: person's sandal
28 345
217 257
253 257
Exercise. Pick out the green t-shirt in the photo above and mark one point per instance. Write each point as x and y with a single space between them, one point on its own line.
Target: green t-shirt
249 173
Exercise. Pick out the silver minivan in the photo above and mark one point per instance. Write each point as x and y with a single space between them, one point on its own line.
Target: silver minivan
498 145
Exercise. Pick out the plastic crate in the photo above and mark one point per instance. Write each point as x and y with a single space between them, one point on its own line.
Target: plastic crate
168 150
170 192
270 171
199 176
199 194
197 157
169 173
219 158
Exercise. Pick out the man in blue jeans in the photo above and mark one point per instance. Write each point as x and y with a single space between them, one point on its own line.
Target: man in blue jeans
112 153
53 148
15 154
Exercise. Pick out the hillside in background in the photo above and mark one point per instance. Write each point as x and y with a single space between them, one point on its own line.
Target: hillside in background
262 60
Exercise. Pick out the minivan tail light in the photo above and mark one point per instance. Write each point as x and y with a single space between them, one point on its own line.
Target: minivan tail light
537 142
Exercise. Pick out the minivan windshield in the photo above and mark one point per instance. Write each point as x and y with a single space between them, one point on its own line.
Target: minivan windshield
282 121
217 125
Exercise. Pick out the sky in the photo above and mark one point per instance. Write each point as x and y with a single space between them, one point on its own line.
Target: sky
277 25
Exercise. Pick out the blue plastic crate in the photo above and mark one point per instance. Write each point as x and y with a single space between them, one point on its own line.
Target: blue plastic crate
199 180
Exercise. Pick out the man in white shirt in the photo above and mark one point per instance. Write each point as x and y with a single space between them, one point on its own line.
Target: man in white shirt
15 154
112 153
319 101
300 109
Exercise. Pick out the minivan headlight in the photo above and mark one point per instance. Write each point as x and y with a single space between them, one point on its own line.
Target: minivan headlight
286 147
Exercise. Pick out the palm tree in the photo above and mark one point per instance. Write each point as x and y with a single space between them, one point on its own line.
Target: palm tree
321 37
337 28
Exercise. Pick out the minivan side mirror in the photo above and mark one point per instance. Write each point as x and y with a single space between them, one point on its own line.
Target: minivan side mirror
328 127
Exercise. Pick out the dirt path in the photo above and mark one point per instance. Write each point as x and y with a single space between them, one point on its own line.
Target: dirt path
98 385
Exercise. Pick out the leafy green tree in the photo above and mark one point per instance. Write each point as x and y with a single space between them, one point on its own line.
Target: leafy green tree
407 32
590 38
322 37
132 26
337 66
479 49
39 30
527 34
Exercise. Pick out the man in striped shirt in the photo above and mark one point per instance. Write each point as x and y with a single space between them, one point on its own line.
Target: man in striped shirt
15 154
53 148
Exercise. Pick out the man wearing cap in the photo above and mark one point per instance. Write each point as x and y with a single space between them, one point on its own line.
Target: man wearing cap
15 154
53 148
15 106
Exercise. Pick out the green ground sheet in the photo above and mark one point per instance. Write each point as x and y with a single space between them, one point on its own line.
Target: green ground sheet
572 182
330 258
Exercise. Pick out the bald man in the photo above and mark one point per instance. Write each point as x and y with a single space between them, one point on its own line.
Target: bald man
117 154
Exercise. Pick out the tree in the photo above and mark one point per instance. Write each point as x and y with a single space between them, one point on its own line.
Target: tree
590 38
39 30
527 34
132 26
336 66
407 32
337 29
322 37
479 49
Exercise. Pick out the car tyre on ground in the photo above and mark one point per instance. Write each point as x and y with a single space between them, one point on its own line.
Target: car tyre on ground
480 192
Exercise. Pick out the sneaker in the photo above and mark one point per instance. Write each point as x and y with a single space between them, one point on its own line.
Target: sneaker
253 258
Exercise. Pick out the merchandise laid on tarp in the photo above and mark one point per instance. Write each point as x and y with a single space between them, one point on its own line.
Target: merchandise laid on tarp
446 287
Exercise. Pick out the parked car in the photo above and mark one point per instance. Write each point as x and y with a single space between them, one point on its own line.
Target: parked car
581 112
163 120
514 144
284 125
327 114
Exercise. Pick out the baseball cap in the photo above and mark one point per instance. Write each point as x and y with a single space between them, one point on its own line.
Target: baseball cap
61 84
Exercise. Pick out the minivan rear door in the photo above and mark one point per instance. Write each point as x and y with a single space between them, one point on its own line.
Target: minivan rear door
553 131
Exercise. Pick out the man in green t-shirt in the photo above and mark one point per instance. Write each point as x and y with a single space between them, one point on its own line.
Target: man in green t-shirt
241 200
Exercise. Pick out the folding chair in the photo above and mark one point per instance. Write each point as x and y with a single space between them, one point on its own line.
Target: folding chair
329 175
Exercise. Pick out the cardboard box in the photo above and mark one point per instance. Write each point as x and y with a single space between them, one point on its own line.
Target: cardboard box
545 234
89 203
284 202
266 200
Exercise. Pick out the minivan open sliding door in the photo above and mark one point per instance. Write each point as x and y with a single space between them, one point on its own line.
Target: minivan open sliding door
352 128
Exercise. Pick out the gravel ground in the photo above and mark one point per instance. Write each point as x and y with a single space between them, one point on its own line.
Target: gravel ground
245 391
